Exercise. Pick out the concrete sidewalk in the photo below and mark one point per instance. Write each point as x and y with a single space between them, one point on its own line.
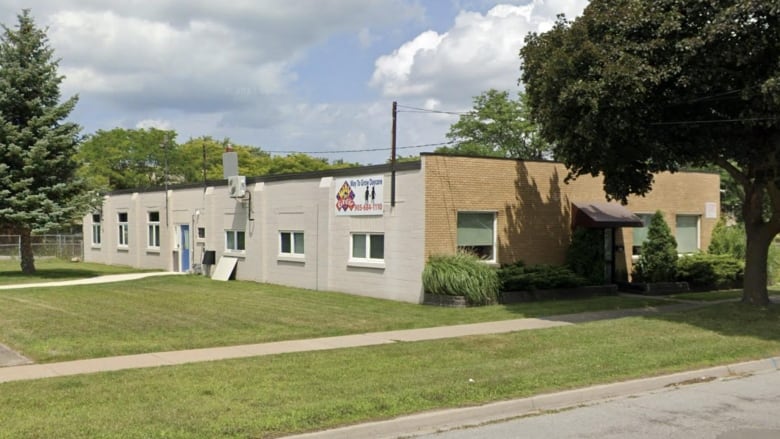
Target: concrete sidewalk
157 359
91 281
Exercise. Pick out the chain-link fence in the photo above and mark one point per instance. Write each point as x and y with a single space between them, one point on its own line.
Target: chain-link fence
57 246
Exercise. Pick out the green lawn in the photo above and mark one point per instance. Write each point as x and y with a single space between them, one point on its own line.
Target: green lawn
51 269
184 312
274 396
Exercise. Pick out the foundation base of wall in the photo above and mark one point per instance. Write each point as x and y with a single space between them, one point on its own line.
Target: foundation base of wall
441 300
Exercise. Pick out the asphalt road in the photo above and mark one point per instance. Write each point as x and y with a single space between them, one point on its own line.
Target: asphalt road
730 408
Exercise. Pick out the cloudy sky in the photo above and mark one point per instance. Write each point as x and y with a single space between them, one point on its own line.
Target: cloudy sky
287 75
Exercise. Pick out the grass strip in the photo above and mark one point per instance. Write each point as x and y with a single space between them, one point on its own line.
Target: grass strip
713 296
187 312
275 396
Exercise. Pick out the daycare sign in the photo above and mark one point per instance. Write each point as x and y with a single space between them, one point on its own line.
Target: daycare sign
360 196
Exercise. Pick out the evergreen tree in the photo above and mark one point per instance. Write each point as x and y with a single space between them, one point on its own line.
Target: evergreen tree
658 260
38 188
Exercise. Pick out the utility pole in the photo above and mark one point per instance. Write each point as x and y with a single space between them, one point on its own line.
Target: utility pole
392 156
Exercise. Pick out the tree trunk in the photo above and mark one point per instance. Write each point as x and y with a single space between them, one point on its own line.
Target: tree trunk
26 251
755 285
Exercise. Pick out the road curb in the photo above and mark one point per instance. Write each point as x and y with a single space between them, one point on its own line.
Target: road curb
444 420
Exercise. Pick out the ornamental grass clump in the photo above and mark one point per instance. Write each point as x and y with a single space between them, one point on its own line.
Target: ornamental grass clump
461 274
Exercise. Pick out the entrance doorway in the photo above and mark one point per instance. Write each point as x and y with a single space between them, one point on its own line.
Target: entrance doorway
184 248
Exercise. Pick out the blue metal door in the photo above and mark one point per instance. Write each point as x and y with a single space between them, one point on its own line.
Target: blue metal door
184 238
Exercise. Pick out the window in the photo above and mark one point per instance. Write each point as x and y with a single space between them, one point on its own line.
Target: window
96 239
201 233
687 233
153 230
123 238
368 247
234 240
640 233
291 243
476 234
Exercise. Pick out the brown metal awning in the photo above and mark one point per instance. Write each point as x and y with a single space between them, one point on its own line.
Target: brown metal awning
603 215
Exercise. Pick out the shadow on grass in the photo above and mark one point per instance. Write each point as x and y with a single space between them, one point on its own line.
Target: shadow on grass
50 274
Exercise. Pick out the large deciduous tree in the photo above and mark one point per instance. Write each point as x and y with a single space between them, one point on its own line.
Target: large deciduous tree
635 87
38 188
497 126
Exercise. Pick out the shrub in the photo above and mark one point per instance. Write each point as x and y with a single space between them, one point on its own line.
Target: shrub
705 271
731 240
518 277
461 274
586 254
728 240
658 259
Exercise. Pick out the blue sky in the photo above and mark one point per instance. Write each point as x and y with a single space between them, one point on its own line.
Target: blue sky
287 75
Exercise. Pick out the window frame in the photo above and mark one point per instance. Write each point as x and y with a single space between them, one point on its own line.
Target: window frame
636 247
97 230
494 253
123 230
153 231
677 232
292 253
235 233
367 260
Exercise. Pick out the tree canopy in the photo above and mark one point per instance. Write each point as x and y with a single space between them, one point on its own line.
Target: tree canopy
38 188
123 158
633 88
497 126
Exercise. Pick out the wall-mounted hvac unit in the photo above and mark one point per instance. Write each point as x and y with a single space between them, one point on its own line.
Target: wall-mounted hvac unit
236 186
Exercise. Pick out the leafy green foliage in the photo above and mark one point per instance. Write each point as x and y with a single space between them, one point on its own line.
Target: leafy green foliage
631 88
658 259
461 274
707 272
728 240
497 126
585 255
521 277
39 190
731 240
135 158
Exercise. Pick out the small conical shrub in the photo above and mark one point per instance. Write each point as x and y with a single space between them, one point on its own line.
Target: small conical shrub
658 260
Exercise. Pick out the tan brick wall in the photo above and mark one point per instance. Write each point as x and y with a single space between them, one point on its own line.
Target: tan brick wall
533 204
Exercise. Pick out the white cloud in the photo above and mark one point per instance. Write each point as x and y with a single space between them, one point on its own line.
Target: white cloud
154 123
479 52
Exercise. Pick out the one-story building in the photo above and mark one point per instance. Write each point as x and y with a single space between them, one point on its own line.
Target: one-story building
361 231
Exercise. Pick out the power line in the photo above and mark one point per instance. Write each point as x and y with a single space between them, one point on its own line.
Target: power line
711 121
358 150
425 110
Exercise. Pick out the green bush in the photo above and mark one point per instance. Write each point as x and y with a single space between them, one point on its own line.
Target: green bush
461 274
658 259
731 240
728 240
705 271
585 256
519 277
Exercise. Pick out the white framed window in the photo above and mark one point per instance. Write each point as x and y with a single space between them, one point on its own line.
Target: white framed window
123 238
291 243
96 230
477 234
235 240
153 230
368 247
687 233
639 234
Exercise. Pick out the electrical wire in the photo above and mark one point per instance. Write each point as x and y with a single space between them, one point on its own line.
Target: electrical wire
359 150
425 110
712 121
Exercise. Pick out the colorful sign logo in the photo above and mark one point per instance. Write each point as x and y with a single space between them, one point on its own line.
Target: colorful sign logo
360 196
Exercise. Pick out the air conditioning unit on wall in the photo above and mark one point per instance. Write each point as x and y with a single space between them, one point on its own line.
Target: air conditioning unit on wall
237 186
